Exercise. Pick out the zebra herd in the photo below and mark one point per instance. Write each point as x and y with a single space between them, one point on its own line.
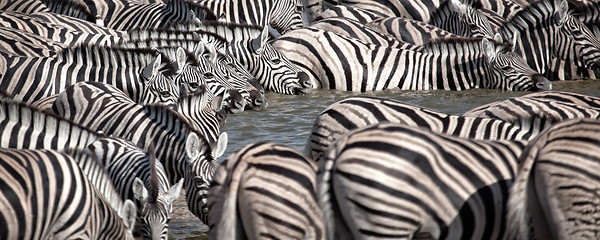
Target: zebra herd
108 108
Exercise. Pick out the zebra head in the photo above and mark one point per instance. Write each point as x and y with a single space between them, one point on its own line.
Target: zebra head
509 71
156 208
200 169
286 15
241 78
581 44
276 72
159 86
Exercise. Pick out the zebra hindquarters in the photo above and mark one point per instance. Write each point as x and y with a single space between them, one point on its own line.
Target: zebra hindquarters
271 188
558 188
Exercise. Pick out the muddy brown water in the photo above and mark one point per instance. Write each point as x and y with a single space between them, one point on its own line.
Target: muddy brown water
288 121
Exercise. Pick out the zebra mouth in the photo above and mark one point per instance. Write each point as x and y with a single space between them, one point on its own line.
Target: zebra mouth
305 84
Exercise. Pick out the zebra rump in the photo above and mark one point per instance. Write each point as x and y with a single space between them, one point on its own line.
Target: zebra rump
555 193
404 182
265 189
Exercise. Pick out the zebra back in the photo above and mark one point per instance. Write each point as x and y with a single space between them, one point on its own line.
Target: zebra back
34 215
126 15
548 106
248 199
26 6
343 11
409 30
393 180
463 19
138 177
249 44
352 113
20 43
56 32
72 8
282 15
183 150
557 181
417 10
75 24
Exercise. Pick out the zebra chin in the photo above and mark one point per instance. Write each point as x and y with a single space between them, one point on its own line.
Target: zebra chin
305 85
540 83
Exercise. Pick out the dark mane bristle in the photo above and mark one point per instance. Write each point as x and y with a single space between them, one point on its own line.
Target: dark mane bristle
153 174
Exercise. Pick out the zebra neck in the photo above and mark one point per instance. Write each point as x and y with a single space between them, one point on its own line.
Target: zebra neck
107 57
535 16
232 32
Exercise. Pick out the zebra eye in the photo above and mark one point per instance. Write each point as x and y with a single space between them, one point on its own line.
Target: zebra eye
208 75
199 182
276 60
165 94
193 85
168 220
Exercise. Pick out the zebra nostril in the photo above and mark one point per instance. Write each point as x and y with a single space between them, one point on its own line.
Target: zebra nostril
541 82
304 80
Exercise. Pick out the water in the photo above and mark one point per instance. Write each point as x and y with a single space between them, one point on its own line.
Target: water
288 121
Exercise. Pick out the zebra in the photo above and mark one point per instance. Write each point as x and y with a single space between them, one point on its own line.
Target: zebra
51 198
265 189
138 177
180 147
556 185
20 43
75 24
545 29
450 64
282 15
355 112
33 78
56 32
397 181
196 70
127 15
248 44
554 106
44 130
417 10
409 30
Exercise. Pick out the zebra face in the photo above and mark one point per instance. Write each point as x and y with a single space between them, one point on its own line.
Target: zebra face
509 71
155 219
240 77
200 169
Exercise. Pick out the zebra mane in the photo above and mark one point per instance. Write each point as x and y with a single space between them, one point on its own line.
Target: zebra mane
72 8
168 47
154 183
117 57
232 32
202 12
4 94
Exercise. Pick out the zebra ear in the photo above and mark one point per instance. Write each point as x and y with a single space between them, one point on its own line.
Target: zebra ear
192 146
222 18
258 43
498 38
216 103
199 50
139 190
152 68
488 48
563 11
181 58
173 192
221 145
129 215
457 6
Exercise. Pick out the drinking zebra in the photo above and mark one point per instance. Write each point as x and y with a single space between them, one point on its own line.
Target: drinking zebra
249 44
265 189
404 182
337 62
356 112
180 147
557 184
45 195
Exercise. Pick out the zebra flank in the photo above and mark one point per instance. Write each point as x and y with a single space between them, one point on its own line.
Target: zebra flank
343 11
20 43
356 112
183 150
36 199
393 180
25 6
557 184
75 24
265 189
337 62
